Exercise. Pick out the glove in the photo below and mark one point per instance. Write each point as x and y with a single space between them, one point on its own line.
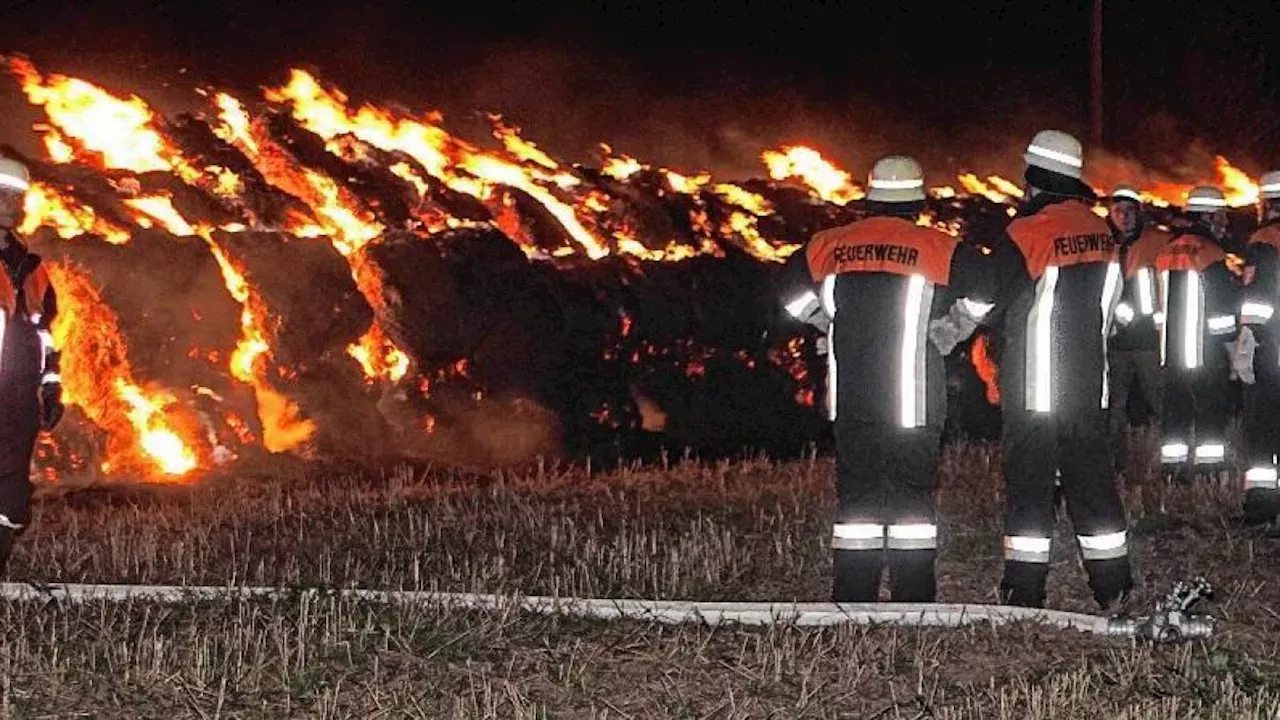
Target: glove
944 335
1242 356
51 407
822 345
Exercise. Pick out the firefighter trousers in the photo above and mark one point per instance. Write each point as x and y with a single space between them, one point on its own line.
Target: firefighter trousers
1262 436
884 485
19 426
1125 369
1036 448
1197 404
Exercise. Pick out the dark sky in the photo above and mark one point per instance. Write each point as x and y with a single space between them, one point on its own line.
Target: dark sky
711 85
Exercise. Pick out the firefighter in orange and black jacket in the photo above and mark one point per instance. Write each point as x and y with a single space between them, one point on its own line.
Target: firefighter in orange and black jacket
1200 303
1257 356
30 386
1134 346
879 283
1059 282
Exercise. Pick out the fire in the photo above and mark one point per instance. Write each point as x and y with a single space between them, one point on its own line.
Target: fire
160 209
974 186
45 205
144 428
807 165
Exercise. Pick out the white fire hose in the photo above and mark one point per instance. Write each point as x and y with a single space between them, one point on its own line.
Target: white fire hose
1170 623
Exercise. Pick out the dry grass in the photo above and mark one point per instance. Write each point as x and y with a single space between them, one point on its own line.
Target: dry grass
746 530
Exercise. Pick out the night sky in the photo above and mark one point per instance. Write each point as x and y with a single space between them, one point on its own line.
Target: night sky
708 86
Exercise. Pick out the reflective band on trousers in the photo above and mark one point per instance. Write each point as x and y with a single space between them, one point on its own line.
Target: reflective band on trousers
1210 453
1256 312
1261 478
803 306
1104 547
50 377
913 536
1039 339
1023 548
1174 452
1111 287
1146 292
46 346
1160 315
857 536
912 369
1192 312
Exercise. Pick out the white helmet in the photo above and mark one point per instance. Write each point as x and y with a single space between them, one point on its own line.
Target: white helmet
14 175
1269 185
1205 199
896 179
1126 192
1057 152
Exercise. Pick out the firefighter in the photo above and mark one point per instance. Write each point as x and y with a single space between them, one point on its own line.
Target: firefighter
30 386
1134 347
1257 358
879 283
1059 280
1200 300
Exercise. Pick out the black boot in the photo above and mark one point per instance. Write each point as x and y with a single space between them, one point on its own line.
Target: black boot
1023 584
1111 580
8 538
911 576
857 576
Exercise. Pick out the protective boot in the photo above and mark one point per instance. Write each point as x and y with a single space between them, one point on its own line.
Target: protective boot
1023 584
8 538
1261 507
1111 580
911 576
857 576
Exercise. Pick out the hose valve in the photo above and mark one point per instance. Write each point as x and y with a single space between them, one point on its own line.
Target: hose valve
1172 620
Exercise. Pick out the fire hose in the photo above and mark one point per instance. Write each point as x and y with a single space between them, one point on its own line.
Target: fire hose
1171 621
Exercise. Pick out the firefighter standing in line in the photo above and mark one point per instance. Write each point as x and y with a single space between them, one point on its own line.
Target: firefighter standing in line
1059 282
1200 298
1257 354
1134 347
879 282
30 387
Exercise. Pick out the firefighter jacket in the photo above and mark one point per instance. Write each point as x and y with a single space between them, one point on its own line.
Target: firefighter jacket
1134 326
1059 282
1261 295
881 281
28 305
1200 299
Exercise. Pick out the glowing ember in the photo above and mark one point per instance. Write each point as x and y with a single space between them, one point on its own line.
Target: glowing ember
808 166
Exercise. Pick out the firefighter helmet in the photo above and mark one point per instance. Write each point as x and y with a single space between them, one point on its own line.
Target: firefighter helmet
1056 151
1270 185
14 175
1205 199
896 179
1126 192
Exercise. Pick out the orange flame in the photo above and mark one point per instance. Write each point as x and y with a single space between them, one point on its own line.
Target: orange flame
809 167
980 356
44 205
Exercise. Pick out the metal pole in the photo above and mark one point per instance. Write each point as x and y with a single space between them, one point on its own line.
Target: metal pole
1095 95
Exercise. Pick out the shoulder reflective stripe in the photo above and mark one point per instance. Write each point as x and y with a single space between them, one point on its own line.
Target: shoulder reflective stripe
1146 292
1261 478
1174 452
1022 548
976 310
914 536
1039 351
1191 314
6 522
1104 547
1222 324
1210 453
911 375
50 377
1256 312
1111 287
857 536
801 307
829 295
831 370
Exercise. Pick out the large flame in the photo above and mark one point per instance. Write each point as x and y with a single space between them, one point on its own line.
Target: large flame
808 166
